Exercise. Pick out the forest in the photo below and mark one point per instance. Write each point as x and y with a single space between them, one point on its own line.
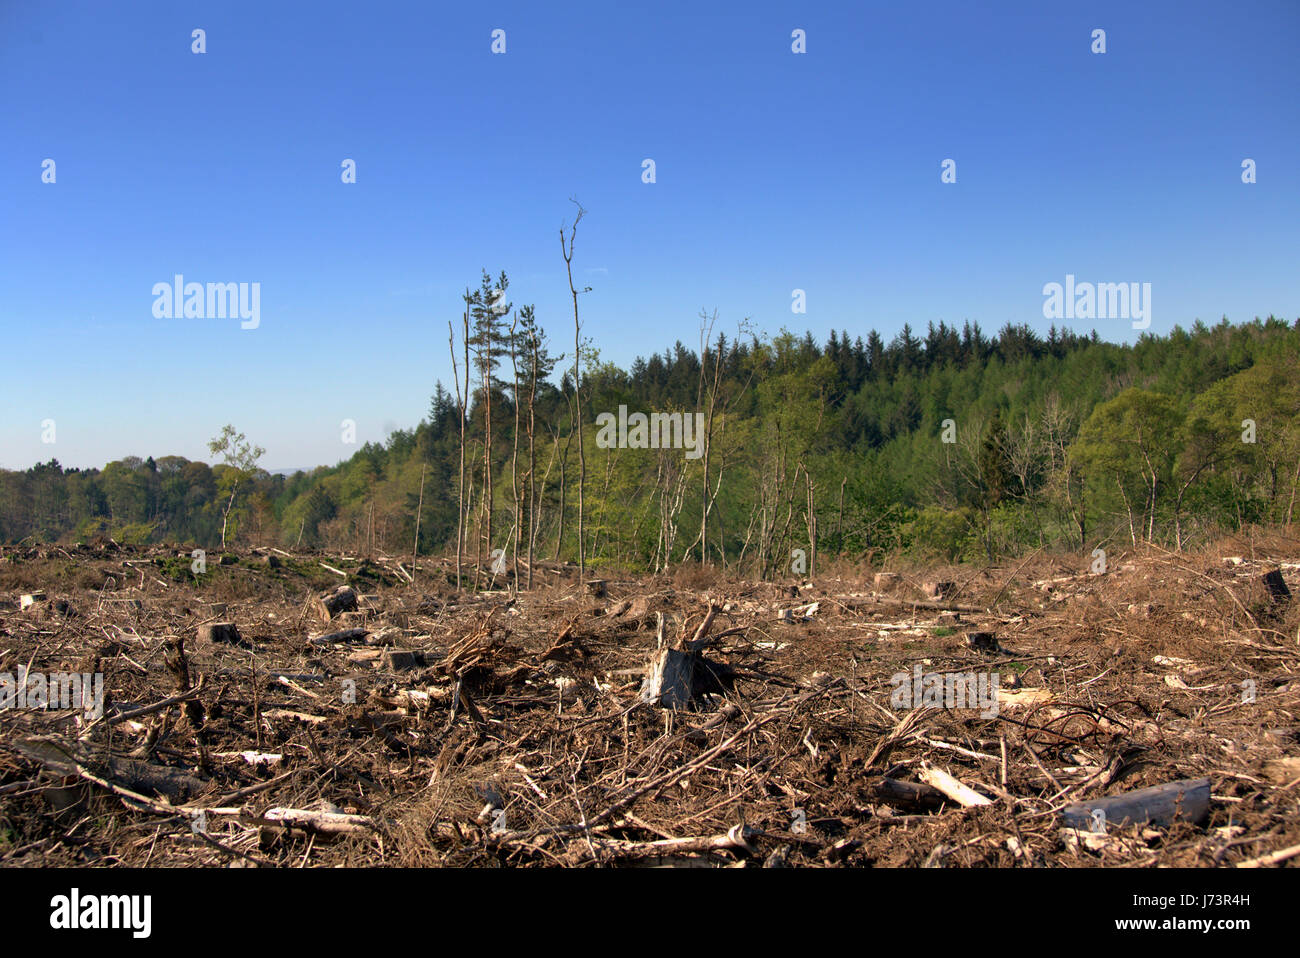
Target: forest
949 445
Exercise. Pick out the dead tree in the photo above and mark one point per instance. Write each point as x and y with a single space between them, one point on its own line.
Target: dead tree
460 411
567 252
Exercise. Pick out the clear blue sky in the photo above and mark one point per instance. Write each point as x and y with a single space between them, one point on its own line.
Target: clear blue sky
775 171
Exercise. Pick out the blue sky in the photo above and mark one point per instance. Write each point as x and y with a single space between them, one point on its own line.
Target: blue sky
775 171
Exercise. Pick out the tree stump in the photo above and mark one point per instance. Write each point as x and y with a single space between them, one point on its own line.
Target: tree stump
30 599
887 581
671 679
982 641
401 660
596 587
219 632
1276 586
342 599
938 589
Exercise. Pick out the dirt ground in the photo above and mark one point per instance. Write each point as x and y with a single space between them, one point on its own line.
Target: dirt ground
433 726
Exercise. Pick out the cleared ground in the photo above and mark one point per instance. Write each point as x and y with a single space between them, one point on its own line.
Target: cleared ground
515 735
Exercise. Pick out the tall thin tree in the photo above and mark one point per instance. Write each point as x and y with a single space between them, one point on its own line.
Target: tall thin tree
567 251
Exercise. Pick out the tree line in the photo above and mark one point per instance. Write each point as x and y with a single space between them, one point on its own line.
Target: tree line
952 444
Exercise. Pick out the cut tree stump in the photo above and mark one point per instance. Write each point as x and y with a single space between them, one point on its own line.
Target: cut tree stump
219 632
1276 586
30 599
1184 800
342 599
596 587
982 641
680 674
671 679
886 581
401 660
938 589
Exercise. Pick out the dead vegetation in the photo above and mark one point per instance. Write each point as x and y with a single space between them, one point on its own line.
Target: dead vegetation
260 714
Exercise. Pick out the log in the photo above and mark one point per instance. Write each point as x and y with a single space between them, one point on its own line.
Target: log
67 758
322 823
963 795
345 635
296 716
342 599
1182 800
219 632
736 839
1272 858
892 791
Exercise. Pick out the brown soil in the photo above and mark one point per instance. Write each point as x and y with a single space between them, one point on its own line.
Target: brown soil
516 736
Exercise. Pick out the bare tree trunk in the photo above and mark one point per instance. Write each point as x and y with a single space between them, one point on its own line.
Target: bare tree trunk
419 509
532 461
460 410
514 463
564 471
488 493
225 516
577 386
541 496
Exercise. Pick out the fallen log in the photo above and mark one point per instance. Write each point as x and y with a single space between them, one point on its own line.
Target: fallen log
963 795
321 823
296 716
893 791
736 839
345 635
859 605
1182 800
1272 858
73 759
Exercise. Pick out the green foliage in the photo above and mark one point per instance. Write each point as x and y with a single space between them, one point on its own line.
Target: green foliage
938 533
1062 440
